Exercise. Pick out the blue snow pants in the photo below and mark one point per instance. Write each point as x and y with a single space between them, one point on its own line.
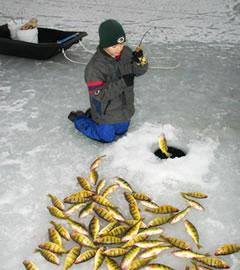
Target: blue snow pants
100 132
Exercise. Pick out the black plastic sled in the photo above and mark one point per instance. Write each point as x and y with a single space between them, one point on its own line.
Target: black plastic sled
50 43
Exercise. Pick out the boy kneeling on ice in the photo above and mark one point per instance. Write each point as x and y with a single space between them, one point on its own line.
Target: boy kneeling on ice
110 79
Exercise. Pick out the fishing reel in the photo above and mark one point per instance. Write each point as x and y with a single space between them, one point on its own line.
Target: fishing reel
138 57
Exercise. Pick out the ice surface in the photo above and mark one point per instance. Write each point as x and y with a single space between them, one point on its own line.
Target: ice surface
196 105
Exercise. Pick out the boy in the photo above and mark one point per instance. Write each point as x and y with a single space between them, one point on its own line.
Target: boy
110 79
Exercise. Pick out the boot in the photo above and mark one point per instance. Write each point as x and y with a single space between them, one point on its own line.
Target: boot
72 116
88 113
79 113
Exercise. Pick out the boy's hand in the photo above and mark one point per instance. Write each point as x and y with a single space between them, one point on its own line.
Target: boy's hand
128 79
138 57
138 53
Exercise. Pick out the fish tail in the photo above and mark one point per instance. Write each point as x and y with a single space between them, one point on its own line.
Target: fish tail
168 154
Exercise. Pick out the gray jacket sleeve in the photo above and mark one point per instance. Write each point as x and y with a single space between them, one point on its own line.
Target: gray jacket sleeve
101 88
139 70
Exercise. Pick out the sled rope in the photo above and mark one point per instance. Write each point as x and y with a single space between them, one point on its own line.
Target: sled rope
72 61
85 48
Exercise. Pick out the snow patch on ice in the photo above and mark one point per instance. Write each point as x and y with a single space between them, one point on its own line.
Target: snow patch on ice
134 154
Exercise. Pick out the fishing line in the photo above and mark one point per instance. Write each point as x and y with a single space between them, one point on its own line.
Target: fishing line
141 40
177 65
158 67
140 43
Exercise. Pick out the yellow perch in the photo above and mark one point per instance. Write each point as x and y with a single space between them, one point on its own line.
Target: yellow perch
54 236
104 214
180 215
85 256
52 247
149 252
187 254
61 230
56 202
100 186
129 257
176 242
108 190
29 265
93 176
163 209
108 240
87 210
79 197
115 252
99 258
71 257
102 201
213 262
192 231
83 182
227 249
94 227
111 264
124 184
139 263
49 256
163 145
82 239
194 194
54 211
133 231
96 162
77 226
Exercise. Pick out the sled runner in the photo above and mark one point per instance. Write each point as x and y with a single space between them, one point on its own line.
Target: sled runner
50 43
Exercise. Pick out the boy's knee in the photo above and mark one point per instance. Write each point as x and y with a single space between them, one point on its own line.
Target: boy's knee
121 128
81 123
107 134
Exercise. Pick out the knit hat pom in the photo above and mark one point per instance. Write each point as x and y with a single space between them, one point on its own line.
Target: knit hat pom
111 33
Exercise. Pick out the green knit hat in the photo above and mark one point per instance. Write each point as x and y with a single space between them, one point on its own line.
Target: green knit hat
111 33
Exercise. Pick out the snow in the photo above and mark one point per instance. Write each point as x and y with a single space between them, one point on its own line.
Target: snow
196 105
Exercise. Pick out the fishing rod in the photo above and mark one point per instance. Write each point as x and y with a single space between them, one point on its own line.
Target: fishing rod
145 33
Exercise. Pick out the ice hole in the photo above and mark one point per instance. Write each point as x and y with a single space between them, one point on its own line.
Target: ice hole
174 151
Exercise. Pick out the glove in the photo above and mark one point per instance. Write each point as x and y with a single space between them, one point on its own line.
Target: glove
137 54
128 79
138 57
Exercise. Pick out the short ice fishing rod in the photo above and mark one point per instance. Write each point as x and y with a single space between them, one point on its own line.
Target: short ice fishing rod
138 53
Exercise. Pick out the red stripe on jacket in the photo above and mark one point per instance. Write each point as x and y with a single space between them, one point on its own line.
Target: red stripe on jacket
94 86
98 83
